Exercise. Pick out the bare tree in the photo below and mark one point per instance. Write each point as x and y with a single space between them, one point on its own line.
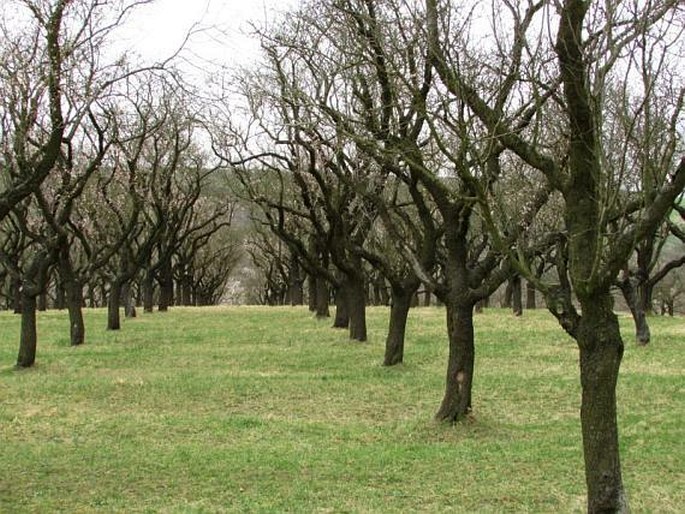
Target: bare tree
590 41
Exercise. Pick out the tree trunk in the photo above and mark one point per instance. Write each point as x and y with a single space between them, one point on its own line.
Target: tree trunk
148 292
295 289
60 295
166 287
601 350
399 311
355 297
530 296
43 301
321 308
311 293
516 295
508 292
456 403
129 305
342 314
28 337
74 297
113 303
631 294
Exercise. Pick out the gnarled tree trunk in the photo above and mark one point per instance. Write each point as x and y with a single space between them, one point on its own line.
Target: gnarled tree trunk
601 350
456 403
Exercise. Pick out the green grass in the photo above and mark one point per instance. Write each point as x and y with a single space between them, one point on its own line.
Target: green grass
250 409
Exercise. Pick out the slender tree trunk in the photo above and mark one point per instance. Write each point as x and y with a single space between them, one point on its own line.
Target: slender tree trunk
166 287
295 289
28 337
148 292
456 403
311 293
601 350
355 297
399 311
113 303
60 295
516 295
530 296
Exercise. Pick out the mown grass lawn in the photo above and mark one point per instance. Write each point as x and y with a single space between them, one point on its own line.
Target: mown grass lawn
253 409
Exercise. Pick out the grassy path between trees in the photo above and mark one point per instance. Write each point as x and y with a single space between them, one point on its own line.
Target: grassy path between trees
254 409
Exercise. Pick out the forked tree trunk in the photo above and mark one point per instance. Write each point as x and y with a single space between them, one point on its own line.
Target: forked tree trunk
399 311
456 403
28 337
113 303
601 350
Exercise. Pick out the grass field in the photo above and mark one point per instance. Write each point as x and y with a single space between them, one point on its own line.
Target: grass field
251 409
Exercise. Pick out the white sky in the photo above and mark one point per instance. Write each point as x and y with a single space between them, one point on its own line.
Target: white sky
221 29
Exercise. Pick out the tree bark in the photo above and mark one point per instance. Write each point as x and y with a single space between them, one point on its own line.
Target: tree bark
456 403
16 294
74 297
129 305
516 295
631 294
295 289
508 292
28 336
530 296
322 304
166 287
113 303
148 292
355 297
342 314
43 301
311 293
60 295
399 311
601 350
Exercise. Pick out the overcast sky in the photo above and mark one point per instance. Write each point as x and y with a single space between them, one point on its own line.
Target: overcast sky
221 29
